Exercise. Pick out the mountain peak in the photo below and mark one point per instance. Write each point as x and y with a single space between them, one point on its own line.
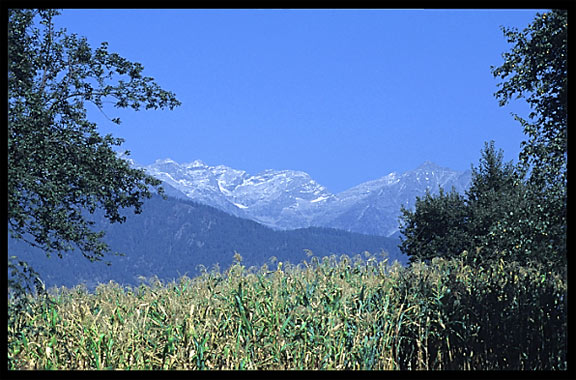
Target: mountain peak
197 164
164 161
287 199
428 165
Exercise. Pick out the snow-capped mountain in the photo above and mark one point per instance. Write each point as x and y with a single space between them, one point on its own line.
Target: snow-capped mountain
282 199
202 183
288 199
374 207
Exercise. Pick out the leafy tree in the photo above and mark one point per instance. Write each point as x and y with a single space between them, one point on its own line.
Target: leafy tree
436 228
516 211
490 198
492 176
536 69
490 221
502 212
448 224
60 169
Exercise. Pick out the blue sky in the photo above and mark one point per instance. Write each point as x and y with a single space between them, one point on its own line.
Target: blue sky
345 95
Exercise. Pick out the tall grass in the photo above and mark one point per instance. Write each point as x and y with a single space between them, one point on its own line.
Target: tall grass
330 313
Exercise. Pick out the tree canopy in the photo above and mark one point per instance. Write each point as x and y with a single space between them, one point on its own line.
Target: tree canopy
536 70
447 224
513 211
60 168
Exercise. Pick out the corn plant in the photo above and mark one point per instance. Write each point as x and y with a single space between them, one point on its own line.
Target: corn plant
329 313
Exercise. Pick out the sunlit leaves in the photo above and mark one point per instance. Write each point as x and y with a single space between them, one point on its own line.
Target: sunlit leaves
536 69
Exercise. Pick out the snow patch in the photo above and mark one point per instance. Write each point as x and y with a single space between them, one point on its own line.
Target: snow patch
222 189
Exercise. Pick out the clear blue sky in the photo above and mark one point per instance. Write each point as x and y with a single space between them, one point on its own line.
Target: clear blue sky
345 95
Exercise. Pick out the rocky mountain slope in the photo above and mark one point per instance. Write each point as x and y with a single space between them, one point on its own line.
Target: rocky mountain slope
288 199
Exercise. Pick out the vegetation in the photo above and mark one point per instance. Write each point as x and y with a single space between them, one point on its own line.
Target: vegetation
59 167
536 69
487 220
509 229
486 288
323 314
516 211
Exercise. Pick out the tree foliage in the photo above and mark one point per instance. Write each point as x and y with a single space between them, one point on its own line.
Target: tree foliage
445 225
491 199
60 169
436 228
513 211
536 69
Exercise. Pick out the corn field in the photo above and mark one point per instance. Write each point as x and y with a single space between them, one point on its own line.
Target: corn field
329 313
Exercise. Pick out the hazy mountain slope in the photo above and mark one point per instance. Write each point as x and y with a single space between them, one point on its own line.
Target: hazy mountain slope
173 237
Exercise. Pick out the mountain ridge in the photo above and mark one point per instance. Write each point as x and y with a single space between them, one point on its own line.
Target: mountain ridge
290 199
290 213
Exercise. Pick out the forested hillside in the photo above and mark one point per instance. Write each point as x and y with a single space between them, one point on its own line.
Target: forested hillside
173 237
